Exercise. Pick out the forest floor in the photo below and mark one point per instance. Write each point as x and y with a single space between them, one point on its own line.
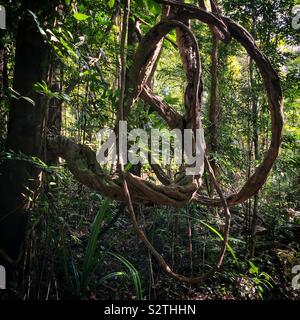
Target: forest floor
59 233
232 282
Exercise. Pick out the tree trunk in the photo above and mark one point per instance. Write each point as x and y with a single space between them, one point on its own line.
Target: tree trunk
212 113
3 85
255 140
54 114
19 179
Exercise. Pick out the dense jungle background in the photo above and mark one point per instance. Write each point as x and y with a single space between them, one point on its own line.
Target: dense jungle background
63 68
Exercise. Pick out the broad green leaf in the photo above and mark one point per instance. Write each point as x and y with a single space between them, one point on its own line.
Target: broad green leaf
111 3
80 16
254 268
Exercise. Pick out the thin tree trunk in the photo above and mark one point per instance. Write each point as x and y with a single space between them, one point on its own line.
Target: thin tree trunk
3 85
54 114
255 141
212 114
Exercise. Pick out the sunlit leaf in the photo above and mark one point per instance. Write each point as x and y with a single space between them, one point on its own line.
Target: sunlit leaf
111 3
80 16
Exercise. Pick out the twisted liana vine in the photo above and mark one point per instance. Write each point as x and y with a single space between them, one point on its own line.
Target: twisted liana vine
129 188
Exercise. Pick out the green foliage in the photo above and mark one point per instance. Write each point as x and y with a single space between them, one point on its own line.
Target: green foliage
111 3
66 219
89 259
44 89
261 280
133 274
218 234
80 16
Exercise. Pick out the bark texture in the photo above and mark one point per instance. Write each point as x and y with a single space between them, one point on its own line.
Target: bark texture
19 179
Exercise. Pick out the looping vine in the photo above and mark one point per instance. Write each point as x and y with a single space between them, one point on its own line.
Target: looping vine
130 188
